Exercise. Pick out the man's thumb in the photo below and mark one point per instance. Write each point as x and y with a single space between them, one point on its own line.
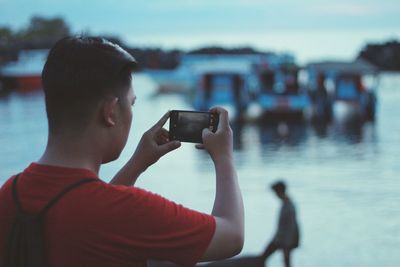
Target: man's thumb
206 132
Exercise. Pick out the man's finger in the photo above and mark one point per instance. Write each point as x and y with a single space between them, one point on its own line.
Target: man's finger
164 132
205 133
160 140
161 122
223 122
199 146
168 147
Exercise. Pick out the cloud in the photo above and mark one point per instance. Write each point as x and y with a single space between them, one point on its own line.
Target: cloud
345 9
194 4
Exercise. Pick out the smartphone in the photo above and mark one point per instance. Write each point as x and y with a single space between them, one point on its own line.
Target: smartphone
187 126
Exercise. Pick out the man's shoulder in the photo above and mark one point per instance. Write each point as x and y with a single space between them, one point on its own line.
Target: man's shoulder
122 193
6 187
7 184
123 189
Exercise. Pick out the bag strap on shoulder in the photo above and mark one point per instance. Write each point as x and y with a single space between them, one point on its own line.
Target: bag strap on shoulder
15 194
52 201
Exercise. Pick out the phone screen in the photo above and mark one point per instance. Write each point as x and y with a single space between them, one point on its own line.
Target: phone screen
187 126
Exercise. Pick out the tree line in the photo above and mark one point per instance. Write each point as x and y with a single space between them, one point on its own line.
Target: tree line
42 33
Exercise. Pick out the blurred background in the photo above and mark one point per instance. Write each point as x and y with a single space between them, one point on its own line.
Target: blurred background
313 91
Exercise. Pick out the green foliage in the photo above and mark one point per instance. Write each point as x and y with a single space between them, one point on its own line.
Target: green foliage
39 31
386 55
6 35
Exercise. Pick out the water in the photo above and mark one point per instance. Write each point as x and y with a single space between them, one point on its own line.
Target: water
343 179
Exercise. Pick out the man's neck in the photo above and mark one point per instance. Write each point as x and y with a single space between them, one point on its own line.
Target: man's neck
64 151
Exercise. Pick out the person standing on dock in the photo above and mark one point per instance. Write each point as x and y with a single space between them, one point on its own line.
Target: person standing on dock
84 221
287 234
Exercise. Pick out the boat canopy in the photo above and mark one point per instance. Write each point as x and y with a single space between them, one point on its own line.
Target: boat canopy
30 63
340 67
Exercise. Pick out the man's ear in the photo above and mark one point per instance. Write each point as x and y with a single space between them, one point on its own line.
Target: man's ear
109 110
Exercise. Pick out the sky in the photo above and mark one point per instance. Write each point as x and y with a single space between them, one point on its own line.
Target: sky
311 29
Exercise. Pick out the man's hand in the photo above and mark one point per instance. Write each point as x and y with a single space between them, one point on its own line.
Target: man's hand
219 144
153 145
228 209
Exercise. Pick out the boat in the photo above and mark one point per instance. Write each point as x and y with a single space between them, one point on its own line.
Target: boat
223 81
223 89
349 85
24 75
280 94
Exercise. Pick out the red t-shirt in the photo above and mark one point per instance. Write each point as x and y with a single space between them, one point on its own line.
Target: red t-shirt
98 224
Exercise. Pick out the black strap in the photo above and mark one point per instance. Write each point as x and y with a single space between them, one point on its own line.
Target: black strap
54 200
15 194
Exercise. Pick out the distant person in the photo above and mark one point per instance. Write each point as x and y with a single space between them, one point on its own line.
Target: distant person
237 91
208 84
287 234
322 99
89 99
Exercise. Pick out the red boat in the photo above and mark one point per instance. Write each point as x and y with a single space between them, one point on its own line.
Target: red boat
24 75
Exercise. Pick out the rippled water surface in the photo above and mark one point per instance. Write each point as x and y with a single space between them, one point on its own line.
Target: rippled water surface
344 178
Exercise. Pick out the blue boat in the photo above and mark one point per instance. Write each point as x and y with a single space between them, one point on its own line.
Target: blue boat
347 83
222 88
223 81
280 92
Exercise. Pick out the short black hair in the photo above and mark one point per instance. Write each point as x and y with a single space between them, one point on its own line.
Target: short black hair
78 73
279 187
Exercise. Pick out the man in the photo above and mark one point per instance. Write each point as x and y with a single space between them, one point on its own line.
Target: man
287 235
88 94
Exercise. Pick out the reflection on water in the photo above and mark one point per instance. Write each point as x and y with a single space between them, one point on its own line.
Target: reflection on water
344 176
273 135
282 133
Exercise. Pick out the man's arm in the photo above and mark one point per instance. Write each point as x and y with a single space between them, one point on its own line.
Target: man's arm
228 212
228 209
128 174
152 146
